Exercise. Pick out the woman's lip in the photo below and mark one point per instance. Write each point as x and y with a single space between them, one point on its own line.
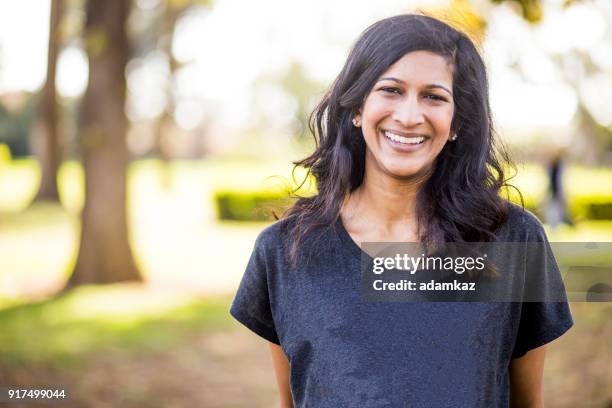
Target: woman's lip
404 134
404 147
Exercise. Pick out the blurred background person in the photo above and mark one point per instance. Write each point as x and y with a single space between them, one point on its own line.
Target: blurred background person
555 210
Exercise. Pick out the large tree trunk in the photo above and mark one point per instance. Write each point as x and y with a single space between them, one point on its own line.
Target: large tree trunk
46 142
104 254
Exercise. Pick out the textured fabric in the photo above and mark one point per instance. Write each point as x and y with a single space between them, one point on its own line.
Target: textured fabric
346 352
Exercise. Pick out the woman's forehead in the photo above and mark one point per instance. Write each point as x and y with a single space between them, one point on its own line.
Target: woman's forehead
423 67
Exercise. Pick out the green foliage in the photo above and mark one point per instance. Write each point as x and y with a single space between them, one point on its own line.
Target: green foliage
531 10
250 190
595 207
259 205
586 199
15 126
261 202
587 206
251 206
5 154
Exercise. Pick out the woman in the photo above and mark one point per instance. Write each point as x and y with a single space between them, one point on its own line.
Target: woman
405 153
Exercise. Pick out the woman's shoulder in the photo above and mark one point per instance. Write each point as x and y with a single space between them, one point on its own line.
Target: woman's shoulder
276 241
271 234
275 234
521 225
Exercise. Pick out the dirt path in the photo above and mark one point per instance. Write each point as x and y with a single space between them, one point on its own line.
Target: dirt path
228 369
231 368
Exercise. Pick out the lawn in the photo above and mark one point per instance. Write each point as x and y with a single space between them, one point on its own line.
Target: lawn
171 341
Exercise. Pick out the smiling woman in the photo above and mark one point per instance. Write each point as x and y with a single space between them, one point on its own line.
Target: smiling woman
408 111
406 152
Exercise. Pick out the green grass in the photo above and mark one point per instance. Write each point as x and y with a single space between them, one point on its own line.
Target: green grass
175 235
19 178
177 242
585 231
65 329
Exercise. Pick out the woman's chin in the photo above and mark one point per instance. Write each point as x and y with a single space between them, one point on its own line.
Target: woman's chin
403 171
395 167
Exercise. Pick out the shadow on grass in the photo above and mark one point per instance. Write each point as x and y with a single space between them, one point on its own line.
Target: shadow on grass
66 329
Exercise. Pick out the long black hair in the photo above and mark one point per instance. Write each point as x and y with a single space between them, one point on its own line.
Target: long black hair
460 201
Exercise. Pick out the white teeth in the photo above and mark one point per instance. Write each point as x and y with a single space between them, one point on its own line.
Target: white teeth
402 139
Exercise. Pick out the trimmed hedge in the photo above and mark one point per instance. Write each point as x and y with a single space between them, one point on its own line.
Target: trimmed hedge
592 207
259 205
251 205
599 211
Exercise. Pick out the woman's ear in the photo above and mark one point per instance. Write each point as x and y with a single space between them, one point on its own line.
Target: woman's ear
357 119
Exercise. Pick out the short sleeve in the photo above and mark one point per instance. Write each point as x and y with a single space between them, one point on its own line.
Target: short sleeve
251 305
545 313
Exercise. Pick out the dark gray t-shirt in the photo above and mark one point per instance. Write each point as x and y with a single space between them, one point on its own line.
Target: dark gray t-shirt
347 352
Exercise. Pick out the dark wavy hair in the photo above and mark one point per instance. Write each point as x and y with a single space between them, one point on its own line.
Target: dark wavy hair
460 201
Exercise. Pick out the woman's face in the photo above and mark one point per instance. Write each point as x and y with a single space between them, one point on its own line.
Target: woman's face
407 115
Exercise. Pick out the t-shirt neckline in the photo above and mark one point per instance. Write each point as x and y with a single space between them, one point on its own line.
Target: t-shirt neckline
348 242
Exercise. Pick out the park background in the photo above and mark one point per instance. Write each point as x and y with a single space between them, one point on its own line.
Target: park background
142 142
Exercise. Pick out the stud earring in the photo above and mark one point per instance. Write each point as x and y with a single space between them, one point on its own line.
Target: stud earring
356 122
453 137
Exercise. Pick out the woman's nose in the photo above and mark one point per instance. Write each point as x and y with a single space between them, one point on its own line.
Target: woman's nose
408 112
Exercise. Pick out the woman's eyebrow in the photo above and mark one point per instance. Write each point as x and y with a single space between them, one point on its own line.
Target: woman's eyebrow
426 86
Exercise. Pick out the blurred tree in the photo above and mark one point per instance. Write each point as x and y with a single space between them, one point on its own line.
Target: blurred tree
165 123
577 65
46 143
301 88
174 11
575 61
297 83
531 10
462 15
104 253
17 114
153 29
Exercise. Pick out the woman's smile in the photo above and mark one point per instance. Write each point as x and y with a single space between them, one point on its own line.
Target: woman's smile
404 144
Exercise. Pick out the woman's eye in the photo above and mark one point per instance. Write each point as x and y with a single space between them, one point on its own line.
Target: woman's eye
391 90
436 97
394 90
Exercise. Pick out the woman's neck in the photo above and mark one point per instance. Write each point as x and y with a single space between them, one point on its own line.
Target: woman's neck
386 206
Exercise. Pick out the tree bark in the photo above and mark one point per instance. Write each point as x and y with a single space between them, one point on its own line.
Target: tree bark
46 141
105 255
